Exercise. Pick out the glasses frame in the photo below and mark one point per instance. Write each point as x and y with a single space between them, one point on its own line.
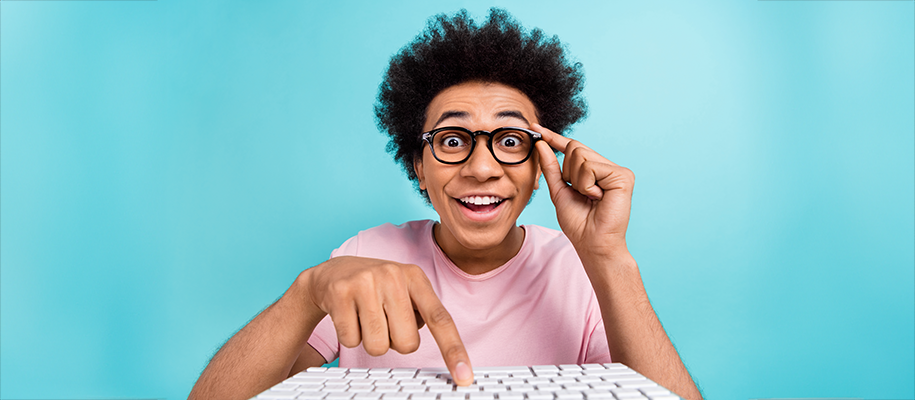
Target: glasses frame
427 137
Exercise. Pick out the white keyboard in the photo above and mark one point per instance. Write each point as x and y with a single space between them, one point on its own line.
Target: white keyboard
542 382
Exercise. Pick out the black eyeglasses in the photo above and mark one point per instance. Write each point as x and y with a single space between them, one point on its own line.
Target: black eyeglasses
508 145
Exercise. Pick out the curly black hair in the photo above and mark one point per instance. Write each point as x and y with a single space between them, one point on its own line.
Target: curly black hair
453 50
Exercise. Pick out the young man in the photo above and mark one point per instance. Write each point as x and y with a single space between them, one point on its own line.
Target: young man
473 113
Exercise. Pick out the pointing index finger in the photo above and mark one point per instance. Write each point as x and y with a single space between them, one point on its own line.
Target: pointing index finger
443 330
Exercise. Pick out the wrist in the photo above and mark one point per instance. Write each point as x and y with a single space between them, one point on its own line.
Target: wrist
299 298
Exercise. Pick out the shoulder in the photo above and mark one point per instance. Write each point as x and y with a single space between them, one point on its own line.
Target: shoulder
549 245
545 237
385 238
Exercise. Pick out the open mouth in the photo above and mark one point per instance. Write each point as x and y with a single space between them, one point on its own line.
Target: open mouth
481 204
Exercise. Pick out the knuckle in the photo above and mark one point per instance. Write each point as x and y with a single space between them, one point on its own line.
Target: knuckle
453 352
375 351
406 346
375 347
348 338
439 316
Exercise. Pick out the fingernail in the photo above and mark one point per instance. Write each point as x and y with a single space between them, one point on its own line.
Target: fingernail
462 372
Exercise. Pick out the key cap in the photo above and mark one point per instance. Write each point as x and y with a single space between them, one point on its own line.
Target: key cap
311 396
594 394
510 396
538 395
339 396
569 395
495 388
413 388
654 391
507 370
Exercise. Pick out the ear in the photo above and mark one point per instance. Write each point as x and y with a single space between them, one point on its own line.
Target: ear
537 181
418 168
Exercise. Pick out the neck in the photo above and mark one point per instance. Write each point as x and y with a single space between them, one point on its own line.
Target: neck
479 261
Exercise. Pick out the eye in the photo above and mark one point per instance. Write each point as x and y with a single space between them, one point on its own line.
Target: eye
510 141
453 141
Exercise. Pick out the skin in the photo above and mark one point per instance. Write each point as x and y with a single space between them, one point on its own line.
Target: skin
375 303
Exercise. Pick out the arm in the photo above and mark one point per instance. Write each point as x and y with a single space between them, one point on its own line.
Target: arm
372 303
592 196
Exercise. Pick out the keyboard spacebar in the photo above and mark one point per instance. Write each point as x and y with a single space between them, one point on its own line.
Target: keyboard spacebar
501 369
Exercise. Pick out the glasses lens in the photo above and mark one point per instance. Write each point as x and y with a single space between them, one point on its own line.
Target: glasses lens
452 146
510 146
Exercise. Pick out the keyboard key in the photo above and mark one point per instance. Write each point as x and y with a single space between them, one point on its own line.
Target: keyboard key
367 396
506 370
544 368
626 393
395 396
495 388
654 391
575 386
569 395
413 388
603 385
471 388
311 396
548 387
594 394
423 396
570 367
539 395
481 396
339 396
644 383
510 396
521 388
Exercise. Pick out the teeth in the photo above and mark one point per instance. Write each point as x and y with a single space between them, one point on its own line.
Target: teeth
481 200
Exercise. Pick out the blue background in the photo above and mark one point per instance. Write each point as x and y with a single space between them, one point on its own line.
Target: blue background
168 167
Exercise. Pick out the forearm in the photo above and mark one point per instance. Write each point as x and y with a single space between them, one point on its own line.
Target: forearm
634 333
263 352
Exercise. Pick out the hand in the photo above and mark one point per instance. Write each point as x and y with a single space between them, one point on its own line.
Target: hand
377 303
592 195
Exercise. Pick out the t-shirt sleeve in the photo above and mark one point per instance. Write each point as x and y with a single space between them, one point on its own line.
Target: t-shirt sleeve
598 351
324 337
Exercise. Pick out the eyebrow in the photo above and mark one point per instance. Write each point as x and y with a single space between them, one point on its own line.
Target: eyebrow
464 114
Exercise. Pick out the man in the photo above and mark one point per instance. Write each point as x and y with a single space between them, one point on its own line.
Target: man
473 113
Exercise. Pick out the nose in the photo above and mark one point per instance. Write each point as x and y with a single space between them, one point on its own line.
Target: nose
482 165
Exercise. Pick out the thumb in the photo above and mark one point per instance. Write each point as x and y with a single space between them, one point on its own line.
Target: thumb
549 164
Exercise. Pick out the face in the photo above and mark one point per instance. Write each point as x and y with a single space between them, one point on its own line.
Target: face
500 191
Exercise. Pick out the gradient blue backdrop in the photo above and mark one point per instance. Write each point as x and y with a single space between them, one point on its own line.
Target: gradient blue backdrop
168 167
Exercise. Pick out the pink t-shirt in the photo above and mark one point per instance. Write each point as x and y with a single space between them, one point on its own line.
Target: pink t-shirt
538 308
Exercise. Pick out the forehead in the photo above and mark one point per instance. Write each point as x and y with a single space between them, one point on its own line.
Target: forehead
480 104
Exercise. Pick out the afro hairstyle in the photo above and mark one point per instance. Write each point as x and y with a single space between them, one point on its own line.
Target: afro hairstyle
453 50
